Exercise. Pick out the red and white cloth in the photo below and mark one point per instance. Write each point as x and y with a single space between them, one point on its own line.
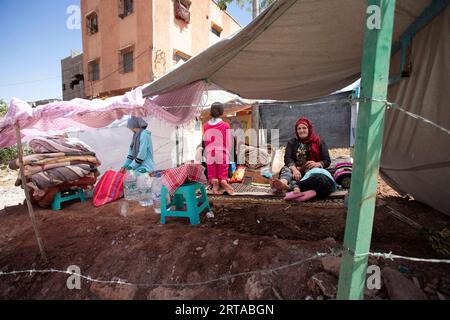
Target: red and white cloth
173 178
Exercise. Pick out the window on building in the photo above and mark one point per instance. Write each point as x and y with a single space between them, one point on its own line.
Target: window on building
76 79
94 70
178 55
126 59
125 8
64 87
182 10
92 23
216 29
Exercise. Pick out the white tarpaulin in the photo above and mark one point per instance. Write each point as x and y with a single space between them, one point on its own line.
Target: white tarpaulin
111 144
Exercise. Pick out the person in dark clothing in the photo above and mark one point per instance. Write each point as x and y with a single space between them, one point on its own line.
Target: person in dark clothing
305 160
199 157
237 132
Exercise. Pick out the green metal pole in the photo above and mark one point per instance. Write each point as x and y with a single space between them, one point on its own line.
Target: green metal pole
369 135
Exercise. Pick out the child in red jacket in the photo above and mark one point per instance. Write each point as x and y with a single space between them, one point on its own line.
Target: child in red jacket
217 138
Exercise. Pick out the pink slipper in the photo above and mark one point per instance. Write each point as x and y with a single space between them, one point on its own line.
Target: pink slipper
292 195
305 196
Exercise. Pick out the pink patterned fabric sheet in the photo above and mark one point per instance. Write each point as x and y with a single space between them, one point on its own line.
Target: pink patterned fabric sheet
177 107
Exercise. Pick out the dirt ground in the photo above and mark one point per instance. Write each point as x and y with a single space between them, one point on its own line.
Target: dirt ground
243 236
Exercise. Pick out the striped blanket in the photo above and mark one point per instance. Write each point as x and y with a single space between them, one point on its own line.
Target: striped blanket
47 158
37 163
58 144
109 188
44 198
31 170
56 176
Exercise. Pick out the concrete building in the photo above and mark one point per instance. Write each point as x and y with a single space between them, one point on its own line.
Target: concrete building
127 43
72 76
37 103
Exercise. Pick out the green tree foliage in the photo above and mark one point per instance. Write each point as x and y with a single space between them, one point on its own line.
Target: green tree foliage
6 154
3 108
244 4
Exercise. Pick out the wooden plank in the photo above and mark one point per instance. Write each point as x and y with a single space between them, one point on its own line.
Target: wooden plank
27 194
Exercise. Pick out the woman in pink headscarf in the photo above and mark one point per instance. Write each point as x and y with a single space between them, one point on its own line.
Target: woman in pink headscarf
305 161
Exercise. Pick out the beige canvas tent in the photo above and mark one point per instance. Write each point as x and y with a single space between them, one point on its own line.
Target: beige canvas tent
416 153
295 50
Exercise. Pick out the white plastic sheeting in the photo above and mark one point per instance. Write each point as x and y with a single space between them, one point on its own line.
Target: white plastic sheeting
111 144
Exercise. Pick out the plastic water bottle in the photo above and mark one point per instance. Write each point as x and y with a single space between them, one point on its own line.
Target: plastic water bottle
88 194
130 186
156 192
123 208
144 186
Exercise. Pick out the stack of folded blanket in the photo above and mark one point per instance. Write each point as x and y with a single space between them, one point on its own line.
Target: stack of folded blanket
57 164
254 158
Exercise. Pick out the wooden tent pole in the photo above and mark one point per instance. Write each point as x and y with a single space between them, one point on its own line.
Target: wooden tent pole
27 194
177 143
255 106
255 122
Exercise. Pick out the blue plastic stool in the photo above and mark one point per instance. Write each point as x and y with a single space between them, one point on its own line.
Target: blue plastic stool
186 194
64 196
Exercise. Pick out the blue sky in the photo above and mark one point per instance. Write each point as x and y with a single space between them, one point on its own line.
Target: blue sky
34 40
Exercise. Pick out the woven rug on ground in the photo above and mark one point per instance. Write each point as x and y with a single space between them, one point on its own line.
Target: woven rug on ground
324 203
241 189
250 190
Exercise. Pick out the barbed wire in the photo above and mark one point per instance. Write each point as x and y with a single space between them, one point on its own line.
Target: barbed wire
337 252
416 116
396 106
392 256
188 284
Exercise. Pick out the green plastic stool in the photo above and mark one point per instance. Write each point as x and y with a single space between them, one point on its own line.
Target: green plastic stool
186 194
64 196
